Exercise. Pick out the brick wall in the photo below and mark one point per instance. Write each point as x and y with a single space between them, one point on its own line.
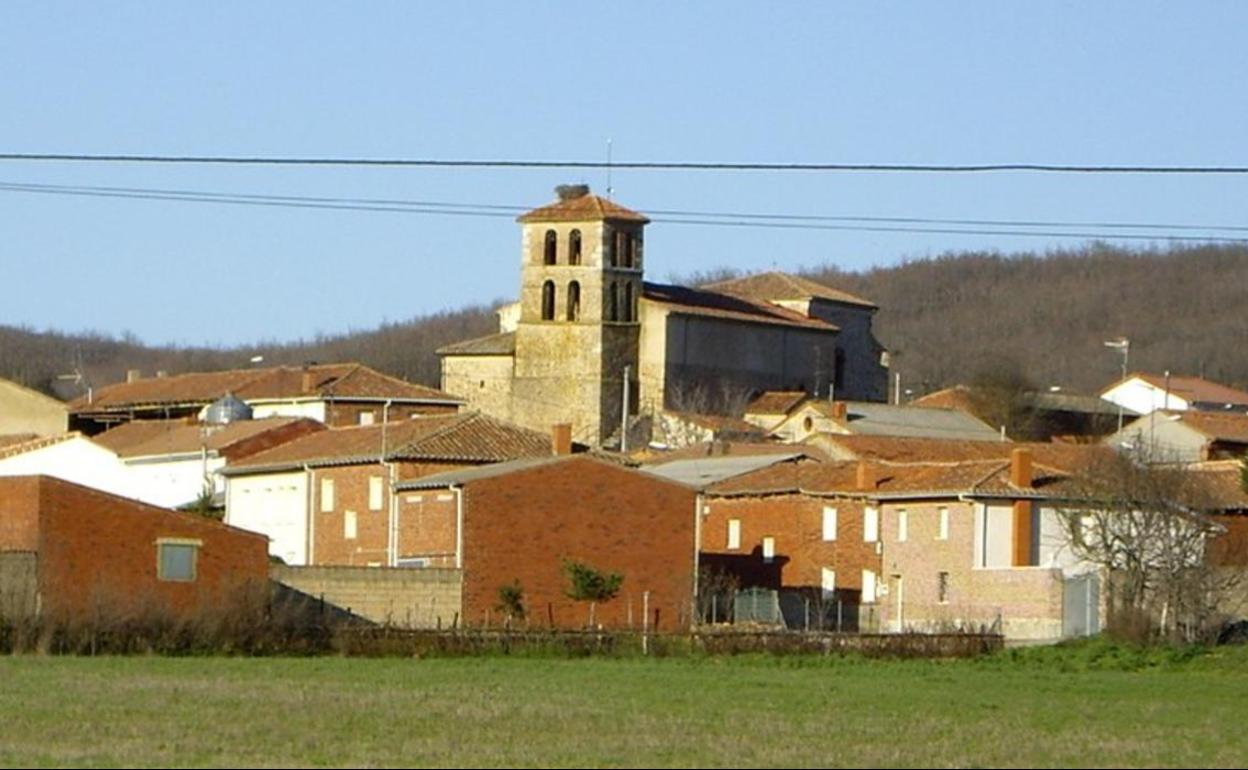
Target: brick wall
331 546
427 520
521 526
411 598
1027 599
98 553
801 553
346 413
19 513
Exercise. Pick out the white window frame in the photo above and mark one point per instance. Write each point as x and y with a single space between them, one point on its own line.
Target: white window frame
870 524
376 493
368 417
327 495
350 525
827 581
868 586
942 532
734 534
177 542
769 549
829 524
903 525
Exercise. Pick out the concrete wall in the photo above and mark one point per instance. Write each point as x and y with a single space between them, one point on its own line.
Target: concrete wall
410 598
23 410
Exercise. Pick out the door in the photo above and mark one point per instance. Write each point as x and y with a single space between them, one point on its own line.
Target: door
898 590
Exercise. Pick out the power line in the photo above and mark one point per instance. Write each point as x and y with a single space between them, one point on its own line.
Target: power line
676 217
973 168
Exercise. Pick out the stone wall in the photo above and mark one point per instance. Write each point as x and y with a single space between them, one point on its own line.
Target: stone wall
409 598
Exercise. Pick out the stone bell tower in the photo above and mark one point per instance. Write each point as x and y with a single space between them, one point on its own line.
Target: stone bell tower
580 289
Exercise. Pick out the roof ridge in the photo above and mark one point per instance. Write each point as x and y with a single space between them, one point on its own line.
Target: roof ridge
456 421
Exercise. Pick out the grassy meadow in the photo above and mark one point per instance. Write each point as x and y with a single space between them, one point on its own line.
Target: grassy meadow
1092 704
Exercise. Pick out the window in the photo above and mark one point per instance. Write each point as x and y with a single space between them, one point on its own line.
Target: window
634 252
549 254
548 301
368 418
574 301
608 245
769 548
942 587
611 309
943 532
177 559
903 526
349 525
327 495
870 524
621 249
829 523
734 534
827 582
375 493
630 311
574 247
868 587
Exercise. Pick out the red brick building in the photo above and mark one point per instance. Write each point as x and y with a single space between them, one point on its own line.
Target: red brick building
519 522
68 551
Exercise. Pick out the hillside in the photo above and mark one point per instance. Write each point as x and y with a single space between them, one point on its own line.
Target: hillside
1042 317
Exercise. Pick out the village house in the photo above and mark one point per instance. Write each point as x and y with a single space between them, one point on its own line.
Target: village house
519 523
814 417
68 552
1053 415
26 413
1142 393
326 498
587 329
1184 437
334 394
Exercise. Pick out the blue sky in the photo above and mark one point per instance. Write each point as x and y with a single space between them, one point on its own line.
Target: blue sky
918 82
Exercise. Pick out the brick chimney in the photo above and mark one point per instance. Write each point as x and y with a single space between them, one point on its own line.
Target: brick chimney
866 476
133 375
840 410
561 438
308 381
1020 467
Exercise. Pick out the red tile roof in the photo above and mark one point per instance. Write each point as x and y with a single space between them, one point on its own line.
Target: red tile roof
776 402
705 302
1067 457
1218 426
470 437
146 438
343 381
586 208
768 287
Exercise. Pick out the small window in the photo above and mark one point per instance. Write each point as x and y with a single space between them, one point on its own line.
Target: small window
350 526
828 583
630 310
574 301
177 560
769 549
829 523
548 301
734 534
574 247
327 495
943 532
621 249
368 418
870 524
903 526
550 253
868 587
375 493
942 587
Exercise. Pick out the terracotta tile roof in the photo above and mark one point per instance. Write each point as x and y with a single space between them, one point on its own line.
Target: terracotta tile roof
704 302
1219 426
586 208
1224 481
326 380
776 402
954 397
1192 389
730 448
768 287
10 439
873 419
502 344
470 437
147 438
38 442
1066 457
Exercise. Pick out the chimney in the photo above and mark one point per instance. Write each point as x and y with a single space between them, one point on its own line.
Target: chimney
866 476
840 410
567 192
307 381
561 438
1020 467
133 375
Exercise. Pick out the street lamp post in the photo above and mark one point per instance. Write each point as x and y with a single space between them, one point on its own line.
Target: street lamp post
1122 345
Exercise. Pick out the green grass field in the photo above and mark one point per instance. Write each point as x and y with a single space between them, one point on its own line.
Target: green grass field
1091 705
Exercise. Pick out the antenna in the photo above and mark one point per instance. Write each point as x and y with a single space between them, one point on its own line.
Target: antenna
610 189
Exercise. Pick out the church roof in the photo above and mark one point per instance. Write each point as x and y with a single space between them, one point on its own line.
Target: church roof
586 208
502 344
705 302
767 287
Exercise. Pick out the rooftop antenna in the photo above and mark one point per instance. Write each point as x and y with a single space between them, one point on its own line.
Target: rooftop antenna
610 189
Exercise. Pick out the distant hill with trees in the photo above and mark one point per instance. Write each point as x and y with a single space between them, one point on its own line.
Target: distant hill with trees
1039 319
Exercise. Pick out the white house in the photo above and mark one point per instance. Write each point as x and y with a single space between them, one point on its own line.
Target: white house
71 457
1143 393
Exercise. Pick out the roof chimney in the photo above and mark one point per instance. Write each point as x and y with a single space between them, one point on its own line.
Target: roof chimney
1020 467
866 476
561 438
840 410
567 192
133 375
307 382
